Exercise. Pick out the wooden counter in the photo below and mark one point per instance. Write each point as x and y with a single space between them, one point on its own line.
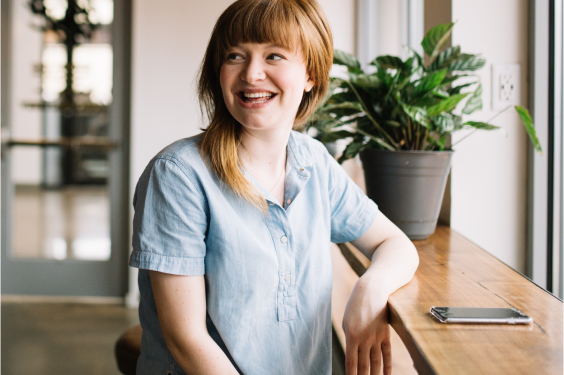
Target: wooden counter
455 272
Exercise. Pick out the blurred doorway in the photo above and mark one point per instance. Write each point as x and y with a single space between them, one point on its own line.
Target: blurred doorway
65 108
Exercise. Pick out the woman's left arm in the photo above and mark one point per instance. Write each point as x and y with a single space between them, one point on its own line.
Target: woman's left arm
394 261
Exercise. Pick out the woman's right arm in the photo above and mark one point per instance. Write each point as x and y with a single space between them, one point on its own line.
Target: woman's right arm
181 307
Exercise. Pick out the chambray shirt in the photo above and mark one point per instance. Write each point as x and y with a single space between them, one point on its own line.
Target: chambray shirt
268 277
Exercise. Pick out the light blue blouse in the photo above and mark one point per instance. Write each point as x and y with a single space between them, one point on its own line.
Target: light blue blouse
268 277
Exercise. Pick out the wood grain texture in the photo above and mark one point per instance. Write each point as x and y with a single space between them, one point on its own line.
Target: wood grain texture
455 272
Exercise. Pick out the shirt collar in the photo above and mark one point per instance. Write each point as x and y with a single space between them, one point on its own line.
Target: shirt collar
298 156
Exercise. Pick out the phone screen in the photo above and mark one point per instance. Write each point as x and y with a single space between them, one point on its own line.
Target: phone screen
478 313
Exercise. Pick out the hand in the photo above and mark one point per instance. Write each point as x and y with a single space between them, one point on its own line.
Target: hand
367 331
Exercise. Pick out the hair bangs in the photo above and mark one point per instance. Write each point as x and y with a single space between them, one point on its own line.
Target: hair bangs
277 23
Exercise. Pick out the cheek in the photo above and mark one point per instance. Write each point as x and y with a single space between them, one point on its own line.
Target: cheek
293 83
225 80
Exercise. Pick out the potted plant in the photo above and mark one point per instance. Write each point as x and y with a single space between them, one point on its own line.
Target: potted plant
398 119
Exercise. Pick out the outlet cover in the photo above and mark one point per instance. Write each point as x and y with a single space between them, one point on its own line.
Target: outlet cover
506 85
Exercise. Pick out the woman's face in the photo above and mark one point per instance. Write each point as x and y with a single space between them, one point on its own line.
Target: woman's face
263 84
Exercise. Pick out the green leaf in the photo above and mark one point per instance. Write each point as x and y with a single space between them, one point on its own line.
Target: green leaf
388 62
438 143
426 101
444 122
346 59
445 105
474 102
440 93
324 122
353 106
451 78
340 97
467 63
436 39
445 58
410 66
458 125
481 125
457 89
367 81
333 136
529 126
419 59
352 149
334 83
417 114
429 82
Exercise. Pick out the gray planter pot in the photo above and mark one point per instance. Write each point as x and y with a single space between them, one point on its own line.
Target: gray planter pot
408 187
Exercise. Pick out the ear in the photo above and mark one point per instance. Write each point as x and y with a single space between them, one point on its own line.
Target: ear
309 84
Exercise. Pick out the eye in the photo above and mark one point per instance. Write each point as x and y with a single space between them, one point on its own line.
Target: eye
234 56
274 57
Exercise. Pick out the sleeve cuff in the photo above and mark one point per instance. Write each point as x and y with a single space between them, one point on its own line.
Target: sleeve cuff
172 265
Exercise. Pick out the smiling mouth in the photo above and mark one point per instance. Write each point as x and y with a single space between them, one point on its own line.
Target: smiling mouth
256 97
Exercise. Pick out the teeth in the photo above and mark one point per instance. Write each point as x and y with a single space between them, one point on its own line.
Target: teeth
257 94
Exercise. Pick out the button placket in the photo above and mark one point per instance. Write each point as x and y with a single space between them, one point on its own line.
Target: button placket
278 224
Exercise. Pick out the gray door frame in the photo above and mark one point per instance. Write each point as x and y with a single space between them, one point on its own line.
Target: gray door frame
74 277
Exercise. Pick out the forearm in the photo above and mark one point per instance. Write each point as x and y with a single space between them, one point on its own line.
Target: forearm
181 307
201 355
393 265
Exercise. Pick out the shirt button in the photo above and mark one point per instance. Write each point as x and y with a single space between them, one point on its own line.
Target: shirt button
284 239
287 277
289 201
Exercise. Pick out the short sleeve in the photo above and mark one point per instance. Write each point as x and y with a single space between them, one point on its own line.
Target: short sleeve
170 221
352 212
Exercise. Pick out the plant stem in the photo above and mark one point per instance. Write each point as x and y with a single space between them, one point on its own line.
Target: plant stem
367 113
499 113
409 138
424 140
463 138
474 131
416 143
379 141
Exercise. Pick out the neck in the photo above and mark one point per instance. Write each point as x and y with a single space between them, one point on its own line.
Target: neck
264 149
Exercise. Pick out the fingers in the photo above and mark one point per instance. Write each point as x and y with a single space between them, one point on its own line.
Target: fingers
351 358
387 356
375 360
363 360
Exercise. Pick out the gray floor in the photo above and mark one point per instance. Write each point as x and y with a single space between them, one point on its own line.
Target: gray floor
62 338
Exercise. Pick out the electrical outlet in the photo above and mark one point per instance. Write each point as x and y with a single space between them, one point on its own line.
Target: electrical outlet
506 85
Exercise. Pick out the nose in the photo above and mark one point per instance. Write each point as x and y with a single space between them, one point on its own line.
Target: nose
253 71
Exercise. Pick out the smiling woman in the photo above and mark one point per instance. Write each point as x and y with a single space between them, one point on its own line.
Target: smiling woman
292 42
232 227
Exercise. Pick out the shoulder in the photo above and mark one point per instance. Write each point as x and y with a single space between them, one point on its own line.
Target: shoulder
182 156
184 152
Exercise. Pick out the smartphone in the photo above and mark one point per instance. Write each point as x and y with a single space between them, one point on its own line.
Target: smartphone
480 315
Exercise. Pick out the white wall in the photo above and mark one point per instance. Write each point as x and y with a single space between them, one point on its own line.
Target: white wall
390 30
25 87
169 41
489 170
